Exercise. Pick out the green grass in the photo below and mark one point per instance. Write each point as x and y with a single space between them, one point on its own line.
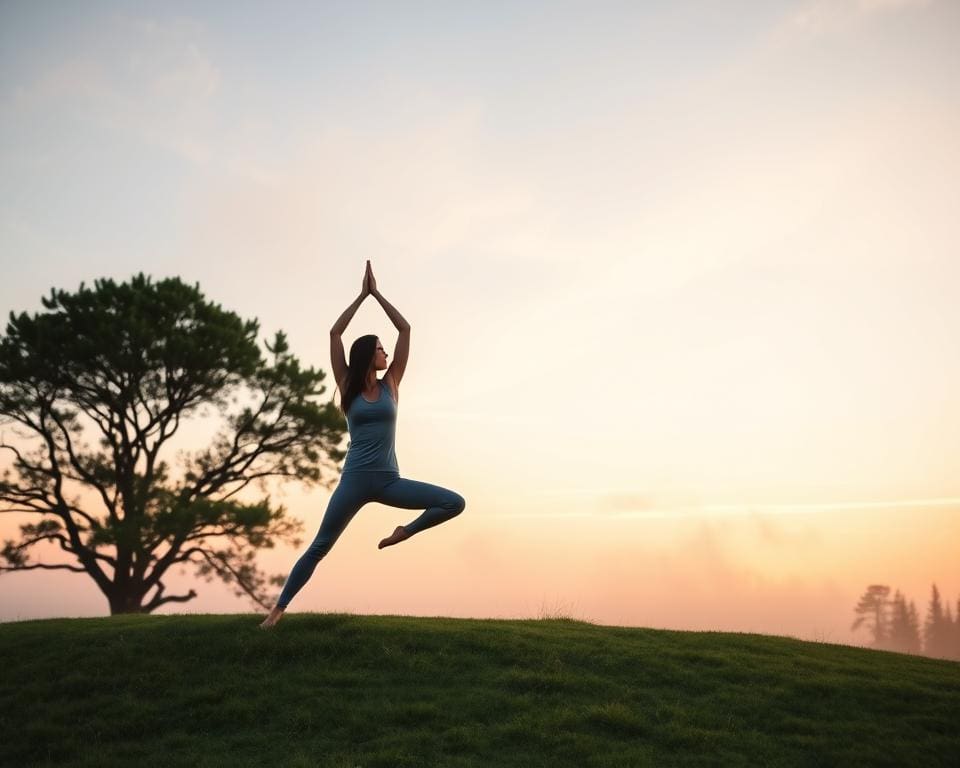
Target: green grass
345 690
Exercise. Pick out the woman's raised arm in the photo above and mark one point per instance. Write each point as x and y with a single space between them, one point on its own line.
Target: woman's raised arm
402 351
338 359
370 283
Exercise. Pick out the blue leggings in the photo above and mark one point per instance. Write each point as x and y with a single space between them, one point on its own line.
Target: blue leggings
359 488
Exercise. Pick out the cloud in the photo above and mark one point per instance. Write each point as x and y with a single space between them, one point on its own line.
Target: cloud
870 6
144 80
624 502
569 503
775 535
817 17
170 59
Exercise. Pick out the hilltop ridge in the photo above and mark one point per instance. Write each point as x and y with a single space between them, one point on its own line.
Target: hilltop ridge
352 690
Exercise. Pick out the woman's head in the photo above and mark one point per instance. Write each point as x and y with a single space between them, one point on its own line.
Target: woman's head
366 355
379 357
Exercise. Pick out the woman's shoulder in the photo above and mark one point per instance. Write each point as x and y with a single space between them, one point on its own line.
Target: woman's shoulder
387 383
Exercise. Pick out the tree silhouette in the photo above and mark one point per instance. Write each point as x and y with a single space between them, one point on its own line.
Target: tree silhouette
914 623
125 365
949 626
955 646
936 630
873 606
904 628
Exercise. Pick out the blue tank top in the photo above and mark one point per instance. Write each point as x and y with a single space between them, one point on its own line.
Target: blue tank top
373 428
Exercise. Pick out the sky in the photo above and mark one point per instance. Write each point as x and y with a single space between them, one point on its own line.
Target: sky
681 278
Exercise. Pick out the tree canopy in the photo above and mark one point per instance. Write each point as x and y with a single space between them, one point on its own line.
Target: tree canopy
91 392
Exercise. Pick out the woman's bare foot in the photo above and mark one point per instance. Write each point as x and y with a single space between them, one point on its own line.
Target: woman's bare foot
272 619
399 534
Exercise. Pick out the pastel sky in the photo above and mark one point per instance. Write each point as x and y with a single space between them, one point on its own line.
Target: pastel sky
682 278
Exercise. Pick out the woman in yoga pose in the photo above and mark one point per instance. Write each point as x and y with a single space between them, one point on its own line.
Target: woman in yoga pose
370 471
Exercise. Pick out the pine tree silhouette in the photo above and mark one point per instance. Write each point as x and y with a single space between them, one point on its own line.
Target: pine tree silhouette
914 621
904 635
949 632
874 605
955 648
895 624
936 631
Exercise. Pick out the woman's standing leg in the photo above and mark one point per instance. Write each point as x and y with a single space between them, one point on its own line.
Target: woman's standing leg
438 504
350 495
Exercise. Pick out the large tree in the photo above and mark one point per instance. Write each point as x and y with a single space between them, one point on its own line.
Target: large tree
873 606
92 391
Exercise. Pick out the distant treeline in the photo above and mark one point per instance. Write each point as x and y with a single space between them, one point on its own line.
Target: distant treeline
895 625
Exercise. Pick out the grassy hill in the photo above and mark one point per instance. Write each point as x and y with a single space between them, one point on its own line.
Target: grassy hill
345 690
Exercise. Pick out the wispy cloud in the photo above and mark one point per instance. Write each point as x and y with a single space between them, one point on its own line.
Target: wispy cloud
774 535
869 6
817 17
152 82
636 505
618 503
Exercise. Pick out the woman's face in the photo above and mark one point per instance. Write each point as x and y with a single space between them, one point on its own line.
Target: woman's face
379 358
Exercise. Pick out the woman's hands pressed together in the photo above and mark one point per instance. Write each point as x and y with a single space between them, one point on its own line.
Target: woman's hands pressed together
369 281
370 289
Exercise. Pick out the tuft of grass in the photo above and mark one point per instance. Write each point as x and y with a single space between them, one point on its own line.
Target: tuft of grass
346 691
561 610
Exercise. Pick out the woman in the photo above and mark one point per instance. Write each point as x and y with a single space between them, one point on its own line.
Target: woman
370 471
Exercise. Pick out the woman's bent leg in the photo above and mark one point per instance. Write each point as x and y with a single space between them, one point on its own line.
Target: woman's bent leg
345 502
438 504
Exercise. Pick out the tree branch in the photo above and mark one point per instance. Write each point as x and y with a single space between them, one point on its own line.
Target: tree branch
85 555
227 462
219 565
85 476
46 536
156 601
74 568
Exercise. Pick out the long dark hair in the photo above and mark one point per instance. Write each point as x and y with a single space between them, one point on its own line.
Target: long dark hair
361 355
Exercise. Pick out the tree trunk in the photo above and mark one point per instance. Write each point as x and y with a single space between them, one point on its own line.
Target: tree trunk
129 602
